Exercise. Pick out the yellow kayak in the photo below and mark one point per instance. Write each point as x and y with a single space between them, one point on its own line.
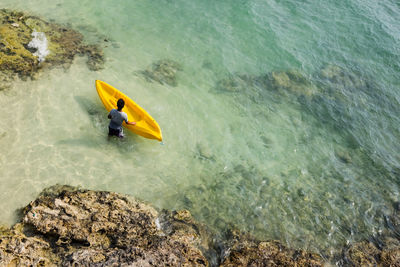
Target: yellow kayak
145 126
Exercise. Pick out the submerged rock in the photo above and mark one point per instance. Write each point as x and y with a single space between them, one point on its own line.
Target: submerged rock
257 88
234 83
163 71
339 76
204 152
29 43
291 81
343 155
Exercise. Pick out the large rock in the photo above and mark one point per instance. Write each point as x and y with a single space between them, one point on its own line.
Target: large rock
82 227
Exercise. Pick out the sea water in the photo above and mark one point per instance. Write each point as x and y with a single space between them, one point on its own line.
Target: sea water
316 171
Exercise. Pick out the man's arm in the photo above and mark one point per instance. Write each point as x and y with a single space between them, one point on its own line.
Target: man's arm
128 122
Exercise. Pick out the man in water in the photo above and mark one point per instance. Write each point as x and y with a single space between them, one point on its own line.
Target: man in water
117 117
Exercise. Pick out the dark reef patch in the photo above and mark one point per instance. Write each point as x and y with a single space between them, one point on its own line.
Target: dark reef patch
163 71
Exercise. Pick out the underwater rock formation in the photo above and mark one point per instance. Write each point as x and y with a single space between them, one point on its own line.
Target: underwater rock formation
29 43
163 71
337 75
204 152
289 82
234 83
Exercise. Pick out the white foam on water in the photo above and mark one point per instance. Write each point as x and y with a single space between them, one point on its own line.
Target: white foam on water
39 42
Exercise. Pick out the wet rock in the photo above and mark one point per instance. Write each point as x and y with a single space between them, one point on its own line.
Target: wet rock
163 71
390 257
362 254
181 225
17 249
71 227
98 219
29 43
243 250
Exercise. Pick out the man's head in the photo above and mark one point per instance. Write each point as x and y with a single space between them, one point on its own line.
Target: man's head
120 104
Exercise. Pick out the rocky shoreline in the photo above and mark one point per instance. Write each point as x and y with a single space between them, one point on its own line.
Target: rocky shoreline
66 226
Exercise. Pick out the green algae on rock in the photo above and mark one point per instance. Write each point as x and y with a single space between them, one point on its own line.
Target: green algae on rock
19 58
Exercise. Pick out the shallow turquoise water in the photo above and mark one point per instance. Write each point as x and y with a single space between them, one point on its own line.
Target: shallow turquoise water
314 170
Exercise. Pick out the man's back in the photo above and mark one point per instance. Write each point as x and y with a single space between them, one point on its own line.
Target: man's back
117 118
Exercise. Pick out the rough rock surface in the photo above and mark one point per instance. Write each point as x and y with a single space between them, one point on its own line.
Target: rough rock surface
17 56
243 250
17 249
110 229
